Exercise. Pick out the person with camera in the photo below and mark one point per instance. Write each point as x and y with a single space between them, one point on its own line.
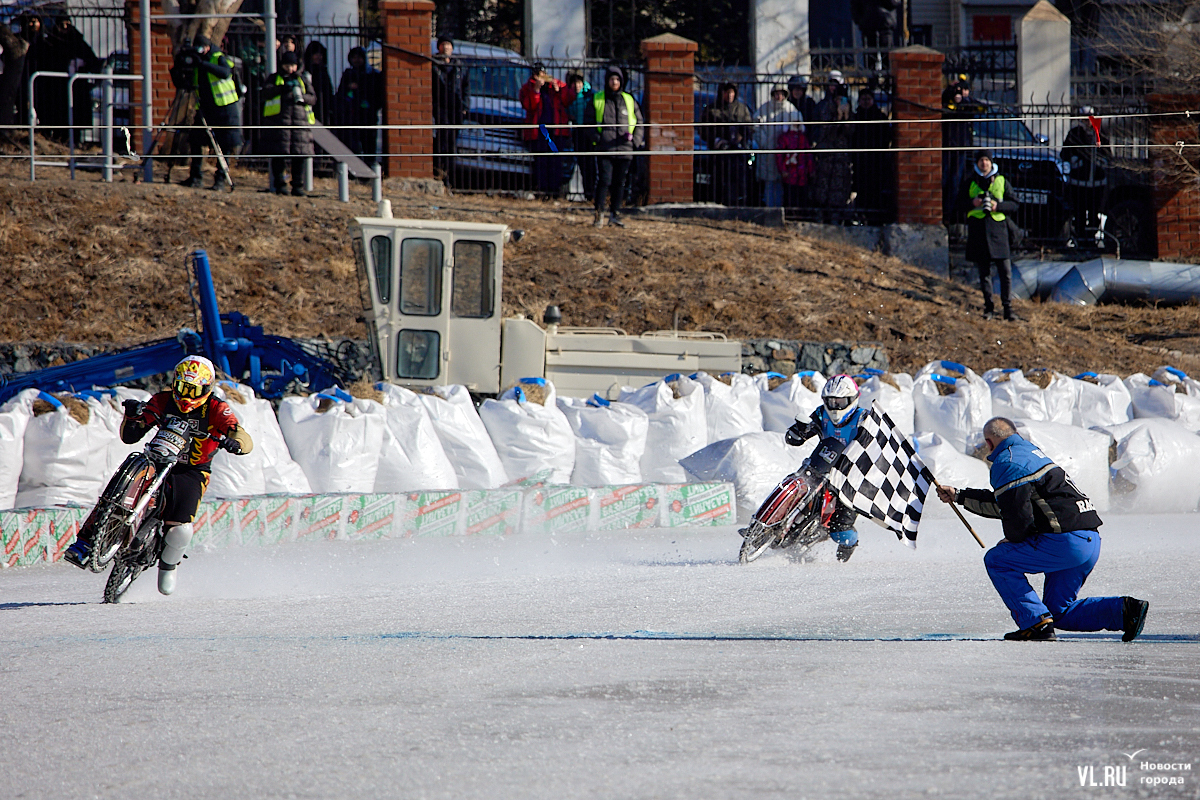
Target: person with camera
288 100
985 194
201 68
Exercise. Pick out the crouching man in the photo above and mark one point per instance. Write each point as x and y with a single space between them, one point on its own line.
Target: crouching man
1050 527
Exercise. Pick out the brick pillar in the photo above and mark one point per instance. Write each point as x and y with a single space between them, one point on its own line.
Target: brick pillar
1176 194
670 71
408 76
162 92
918 74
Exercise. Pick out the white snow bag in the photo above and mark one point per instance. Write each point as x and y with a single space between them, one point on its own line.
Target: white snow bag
412 458
66 461
14 417
950 466
1152 398
958 410
730 409
464 438
677 425
239 476
530 437
334 440
1155 467
1017 397
1083 454
793 398
891 392
610 439
1100 400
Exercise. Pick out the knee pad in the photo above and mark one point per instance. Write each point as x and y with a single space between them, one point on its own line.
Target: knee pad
175 540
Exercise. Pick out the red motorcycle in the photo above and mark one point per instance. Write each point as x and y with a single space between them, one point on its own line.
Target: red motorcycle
798 510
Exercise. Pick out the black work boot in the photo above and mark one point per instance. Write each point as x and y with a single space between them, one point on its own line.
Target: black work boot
1133 617
1040 631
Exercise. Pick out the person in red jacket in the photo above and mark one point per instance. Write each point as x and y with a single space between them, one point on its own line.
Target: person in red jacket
545 100
214 425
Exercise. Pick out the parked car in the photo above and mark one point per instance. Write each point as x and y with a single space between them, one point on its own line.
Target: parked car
1035 169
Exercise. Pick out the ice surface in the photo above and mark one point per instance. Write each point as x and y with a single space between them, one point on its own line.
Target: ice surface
624 664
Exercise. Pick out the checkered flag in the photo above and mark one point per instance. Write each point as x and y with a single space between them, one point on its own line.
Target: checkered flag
880 475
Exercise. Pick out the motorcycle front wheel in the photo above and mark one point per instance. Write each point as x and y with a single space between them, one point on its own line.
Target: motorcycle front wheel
758 539
107 540
124 572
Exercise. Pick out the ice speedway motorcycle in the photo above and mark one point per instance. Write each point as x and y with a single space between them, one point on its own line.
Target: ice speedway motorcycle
124 527
797 512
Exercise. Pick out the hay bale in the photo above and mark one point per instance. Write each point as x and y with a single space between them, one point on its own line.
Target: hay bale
775 383
232 394
810 384
364 389
946 389
1092 379
1003 377
324 404
675 393
890 380
75 407
1041 377
726 378
534 393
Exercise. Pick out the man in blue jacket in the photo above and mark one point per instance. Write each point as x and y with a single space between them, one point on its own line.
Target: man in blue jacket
1049 527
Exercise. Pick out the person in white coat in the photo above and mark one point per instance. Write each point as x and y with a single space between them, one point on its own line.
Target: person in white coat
770 118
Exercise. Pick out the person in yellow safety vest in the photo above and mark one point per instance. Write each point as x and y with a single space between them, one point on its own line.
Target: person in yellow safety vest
620 129
985 196
208 72
288 99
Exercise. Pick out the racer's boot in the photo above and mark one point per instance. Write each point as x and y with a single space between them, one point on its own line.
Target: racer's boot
174 541
1133 612
78 553
844 551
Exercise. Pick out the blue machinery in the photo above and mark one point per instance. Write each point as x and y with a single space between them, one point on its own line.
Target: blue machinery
269 364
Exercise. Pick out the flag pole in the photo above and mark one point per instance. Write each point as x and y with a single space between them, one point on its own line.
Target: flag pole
962 518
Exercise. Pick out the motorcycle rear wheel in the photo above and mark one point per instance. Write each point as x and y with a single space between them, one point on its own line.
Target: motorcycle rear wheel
757 540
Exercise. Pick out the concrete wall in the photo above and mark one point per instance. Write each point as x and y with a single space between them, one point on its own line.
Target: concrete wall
1043 60
556 28
779 36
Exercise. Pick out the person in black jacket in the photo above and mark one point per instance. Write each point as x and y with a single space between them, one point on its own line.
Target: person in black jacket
451 99
985 197
1050 527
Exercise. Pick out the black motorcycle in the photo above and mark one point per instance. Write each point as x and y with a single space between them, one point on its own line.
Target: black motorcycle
125 528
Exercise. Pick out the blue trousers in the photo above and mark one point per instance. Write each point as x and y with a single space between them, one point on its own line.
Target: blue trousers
1066 559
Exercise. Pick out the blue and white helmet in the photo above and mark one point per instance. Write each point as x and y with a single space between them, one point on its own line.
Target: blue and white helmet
840 396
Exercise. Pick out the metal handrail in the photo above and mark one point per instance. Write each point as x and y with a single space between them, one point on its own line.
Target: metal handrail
107 77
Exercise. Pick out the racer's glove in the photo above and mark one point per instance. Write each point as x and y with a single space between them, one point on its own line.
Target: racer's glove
133 408
231 445
797 434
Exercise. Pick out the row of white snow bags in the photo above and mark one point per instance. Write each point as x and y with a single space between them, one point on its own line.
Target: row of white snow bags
1155 469
69 445
677 427
347 444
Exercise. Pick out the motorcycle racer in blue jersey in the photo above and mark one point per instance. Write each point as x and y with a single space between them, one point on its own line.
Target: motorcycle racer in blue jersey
837 417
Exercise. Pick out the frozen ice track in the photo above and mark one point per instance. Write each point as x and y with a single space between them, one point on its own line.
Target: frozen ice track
626 665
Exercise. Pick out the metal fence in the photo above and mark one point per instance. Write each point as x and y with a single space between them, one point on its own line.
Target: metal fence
1074 195
832 167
